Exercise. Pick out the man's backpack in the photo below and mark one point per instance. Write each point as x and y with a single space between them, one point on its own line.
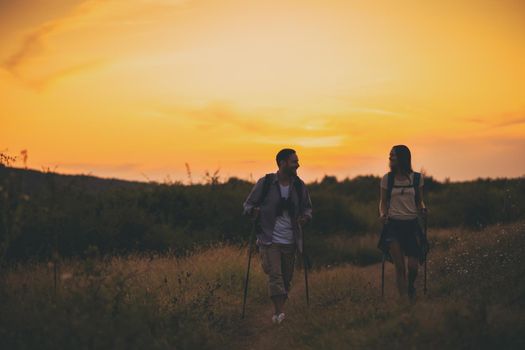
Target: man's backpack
298 184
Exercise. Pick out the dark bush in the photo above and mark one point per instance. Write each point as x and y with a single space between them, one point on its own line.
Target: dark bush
46 212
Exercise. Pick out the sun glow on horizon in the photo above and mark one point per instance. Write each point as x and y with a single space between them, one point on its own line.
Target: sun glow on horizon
125 88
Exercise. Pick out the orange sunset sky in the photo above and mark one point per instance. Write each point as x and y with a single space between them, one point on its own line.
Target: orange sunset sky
122 88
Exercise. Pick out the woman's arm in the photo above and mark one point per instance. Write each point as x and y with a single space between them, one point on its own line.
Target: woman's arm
383 210
421 205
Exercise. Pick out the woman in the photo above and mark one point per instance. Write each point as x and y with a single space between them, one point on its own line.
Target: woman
400 204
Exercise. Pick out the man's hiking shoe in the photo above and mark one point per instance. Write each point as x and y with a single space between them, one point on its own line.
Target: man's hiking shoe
412 293
274 319
280 318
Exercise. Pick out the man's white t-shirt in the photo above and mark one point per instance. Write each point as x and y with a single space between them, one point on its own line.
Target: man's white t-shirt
282 231
402 203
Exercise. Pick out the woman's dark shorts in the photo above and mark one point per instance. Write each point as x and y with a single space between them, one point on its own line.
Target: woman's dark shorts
406 233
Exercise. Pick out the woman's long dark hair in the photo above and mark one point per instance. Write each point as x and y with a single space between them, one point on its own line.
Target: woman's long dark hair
404 159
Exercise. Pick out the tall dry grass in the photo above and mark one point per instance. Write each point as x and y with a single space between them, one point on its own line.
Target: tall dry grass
129 302
475 300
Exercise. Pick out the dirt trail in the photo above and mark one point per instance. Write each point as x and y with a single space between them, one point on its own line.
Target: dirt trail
257 331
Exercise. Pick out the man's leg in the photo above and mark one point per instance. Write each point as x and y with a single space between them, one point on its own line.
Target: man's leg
276 287
278 303
287 266
399 262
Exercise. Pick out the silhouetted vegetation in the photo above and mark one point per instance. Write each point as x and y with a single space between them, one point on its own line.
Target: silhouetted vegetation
45 213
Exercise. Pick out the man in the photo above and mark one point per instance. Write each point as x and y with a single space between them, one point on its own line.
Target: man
281 204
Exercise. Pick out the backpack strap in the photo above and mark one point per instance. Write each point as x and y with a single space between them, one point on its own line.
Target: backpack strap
266 188
417 179
389 187
415 184
298 184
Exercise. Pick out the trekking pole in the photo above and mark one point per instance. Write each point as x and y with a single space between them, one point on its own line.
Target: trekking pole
305 265
383 277
382 262
246 279
425 279
426 257
306 280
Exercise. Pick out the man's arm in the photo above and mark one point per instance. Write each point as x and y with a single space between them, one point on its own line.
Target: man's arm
253 197
306 211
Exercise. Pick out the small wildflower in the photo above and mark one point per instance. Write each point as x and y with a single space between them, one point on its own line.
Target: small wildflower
66 275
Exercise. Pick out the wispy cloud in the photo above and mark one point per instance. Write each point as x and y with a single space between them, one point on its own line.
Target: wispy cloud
499 121
45 81
513 121
260 128
307 142
90 15
218 115
32 45
99 167
35 41
376 111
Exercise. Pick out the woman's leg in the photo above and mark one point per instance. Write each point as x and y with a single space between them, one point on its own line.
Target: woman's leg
399 263
413 265
413 251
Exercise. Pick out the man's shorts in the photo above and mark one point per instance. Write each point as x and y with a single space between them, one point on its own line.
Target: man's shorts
277 261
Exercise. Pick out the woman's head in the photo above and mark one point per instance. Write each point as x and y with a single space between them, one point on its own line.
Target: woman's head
400 159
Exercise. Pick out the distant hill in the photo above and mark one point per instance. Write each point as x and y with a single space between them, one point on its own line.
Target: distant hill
35 179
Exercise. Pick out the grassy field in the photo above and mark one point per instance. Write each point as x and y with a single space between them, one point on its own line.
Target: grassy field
476 299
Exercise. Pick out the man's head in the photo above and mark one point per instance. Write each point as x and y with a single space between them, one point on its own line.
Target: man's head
287 161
